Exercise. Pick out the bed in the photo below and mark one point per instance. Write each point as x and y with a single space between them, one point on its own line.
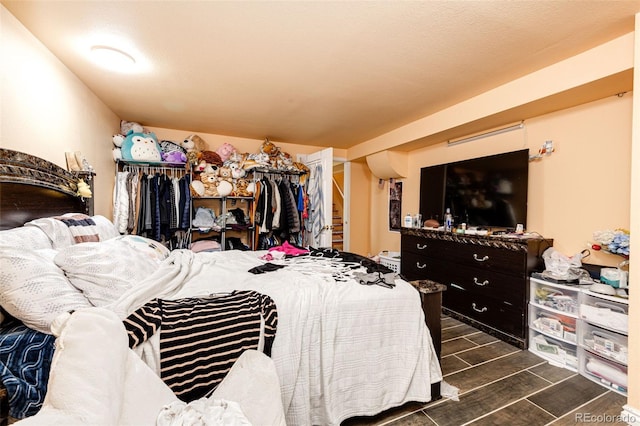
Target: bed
350 339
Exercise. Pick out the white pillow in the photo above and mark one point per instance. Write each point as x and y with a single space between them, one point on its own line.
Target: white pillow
34 290
146 247
105 270
106 229
29 237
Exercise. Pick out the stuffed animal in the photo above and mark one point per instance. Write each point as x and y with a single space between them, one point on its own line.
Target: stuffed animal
225 188
174 157
284 161
256 160
193 145
84 190
225 173
208 159
117 139
210 184
173 152
131 126
241 188
141 147
237 171
225 151
196 187
270 149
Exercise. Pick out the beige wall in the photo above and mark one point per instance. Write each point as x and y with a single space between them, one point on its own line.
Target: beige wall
634 272
361 211
46 110
582 187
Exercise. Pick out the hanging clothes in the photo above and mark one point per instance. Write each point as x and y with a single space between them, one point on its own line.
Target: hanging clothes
121 202
155 205
316 202
277 217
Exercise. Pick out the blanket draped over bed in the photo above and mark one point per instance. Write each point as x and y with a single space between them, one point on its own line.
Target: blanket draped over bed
339 343
350 340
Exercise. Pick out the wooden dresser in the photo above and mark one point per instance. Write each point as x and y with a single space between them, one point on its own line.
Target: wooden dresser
487 277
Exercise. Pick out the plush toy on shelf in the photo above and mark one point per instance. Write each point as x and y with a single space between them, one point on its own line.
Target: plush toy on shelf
208 162
194 145
237 171
173 152
209 184
131 126
241 188
139 147
225 151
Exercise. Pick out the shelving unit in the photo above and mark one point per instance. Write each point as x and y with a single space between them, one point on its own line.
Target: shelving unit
220 205
580 330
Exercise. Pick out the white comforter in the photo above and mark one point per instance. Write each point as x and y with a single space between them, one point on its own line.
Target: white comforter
342 349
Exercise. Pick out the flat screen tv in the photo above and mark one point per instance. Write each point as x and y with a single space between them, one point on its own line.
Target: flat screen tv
487 192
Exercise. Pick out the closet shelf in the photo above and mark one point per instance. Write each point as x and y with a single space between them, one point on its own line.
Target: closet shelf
223 198
151 163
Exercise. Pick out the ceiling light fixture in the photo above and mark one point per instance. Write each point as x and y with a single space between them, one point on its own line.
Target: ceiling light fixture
487 134
112 58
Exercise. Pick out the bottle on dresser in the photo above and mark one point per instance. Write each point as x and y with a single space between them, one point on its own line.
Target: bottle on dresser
448 221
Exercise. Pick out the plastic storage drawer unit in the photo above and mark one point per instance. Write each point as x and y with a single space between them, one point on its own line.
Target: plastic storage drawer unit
553 323
605 343
555 296
553 350
604 311
600 370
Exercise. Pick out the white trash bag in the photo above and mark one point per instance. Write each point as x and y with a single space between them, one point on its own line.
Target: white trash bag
561 267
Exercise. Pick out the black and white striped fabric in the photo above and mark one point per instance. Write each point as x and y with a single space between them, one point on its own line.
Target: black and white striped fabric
201 338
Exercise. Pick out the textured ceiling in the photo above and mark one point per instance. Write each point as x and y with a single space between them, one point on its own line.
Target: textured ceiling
326 73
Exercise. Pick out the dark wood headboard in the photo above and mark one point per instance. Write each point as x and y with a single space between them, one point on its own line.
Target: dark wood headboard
31 187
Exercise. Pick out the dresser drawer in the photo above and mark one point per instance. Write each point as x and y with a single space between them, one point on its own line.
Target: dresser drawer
480 281
418 267
490 258
475 280
486 310
426 247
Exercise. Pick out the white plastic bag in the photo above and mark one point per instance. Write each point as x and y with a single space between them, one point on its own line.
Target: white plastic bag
560 266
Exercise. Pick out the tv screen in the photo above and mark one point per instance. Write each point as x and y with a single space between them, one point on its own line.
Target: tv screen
486 192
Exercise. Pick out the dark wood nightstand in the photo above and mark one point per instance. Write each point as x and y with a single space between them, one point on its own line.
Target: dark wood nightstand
431 296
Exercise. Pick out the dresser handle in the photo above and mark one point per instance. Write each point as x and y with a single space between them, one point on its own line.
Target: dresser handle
421 247
475 256
483 283
419 266
454 285
473 305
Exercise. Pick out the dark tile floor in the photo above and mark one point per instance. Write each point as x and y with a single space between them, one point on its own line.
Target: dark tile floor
500 384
